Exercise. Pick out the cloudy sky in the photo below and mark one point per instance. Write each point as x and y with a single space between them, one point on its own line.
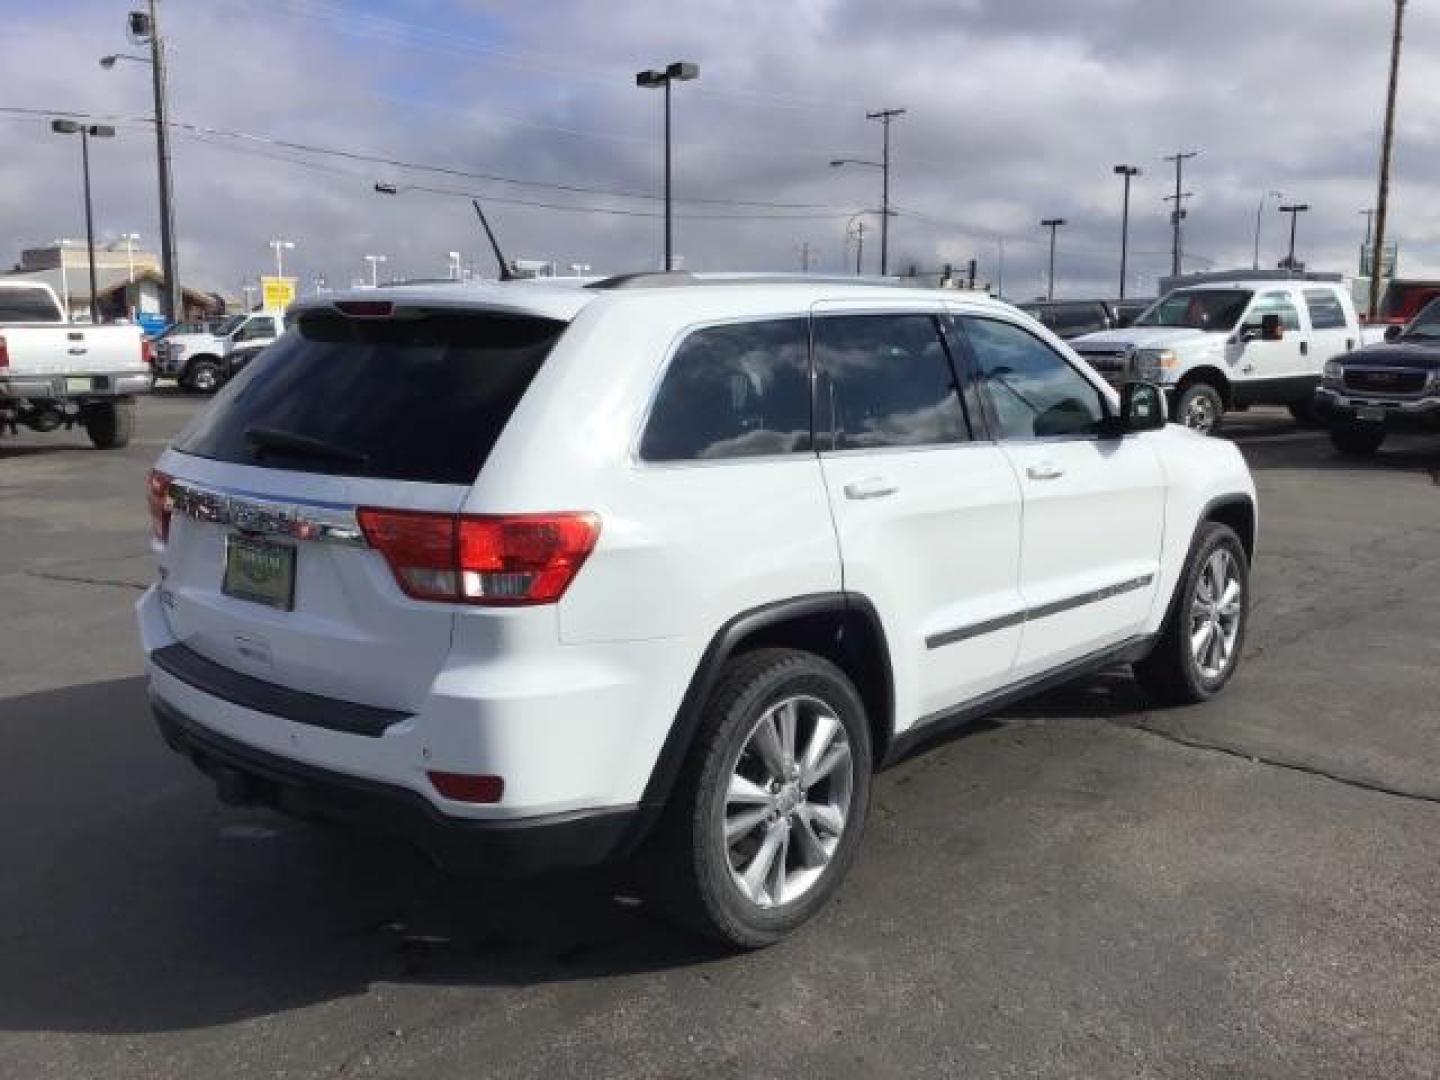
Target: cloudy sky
1016 110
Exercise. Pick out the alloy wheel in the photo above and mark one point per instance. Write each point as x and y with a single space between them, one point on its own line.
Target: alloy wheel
1215 612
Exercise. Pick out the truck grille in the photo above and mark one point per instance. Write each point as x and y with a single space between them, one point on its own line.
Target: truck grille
1107 361
1385 380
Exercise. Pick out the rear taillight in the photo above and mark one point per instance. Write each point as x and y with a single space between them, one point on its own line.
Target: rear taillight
157 490
467 787
491 560
4 353
147 352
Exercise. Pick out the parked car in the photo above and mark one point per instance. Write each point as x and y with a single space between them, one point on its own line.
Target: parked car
54 373
567 574
1071 318
1391 386
1223 346
198 360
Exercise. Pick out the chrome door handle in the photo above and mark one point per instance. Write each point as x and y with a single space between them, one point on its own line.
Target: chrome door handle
871 487
1045 470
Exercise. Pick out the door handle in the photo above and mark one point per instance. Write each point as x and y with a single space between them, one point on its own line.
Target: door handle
1044 470
870 487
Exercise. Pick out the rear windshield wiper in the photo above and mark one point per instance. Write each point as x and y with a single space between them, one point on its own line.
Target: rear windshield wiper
290 442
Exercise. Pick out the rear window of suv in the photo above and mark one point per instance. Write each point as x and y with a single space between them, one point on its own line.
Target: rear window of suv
408 398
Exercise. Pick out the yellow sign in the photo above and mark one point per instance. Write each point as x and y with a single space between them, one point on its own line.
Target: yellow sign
277 293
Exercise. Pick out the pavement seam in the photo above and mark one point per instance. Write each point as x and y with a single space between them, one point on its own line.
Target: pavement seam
1280 763
78 580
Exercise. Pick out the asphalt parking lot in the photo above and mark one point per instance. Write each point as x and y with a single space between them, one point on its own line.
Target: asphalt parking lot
1079 888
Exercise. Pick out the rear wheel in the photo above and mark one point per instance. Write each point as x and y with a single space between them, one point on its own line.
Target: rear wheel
767 817
1200 408
1199 647
110 424
203 376
1357 439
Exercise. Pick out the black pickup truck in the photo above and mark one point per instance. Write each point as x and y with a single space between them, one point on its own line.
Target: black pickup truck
1392 386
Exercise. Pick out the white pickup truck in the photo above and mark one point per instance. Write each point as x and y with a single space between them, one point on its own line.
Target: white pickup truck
200 361
1226 344
55 373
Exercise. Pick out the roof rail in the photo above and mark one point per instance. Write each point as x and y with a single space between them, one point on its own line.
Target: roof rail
644 280
658 280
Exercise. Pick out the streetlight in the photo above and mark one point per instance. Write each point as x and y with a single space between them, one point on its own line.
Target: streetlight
86 133
1255 263
1129 172
374 261
1294 210
280 247
1053 224
679 71
884 116
144 26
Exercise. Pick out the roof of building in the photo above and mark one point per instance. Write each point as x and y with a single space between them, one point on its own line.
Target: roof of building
107 280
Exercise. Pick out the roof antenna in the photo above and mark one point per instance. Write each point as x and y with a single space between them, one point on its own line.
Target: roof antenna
506 274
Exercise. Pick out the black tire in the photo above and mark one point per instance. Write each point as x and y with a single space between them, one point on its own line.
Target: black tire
1200 407
1304 414
110 424
203 376
690 859
1172 674
1356 439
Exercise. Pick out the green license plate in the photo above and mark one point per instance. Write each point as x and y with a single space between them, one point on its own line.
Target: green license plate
260 571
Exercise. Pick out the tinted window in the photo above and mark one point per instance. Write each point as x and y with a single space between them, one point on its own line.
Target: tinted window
1326 311
1274 303
734 391
886 381
405 399
1071 320
27 305
1032 391
1198 309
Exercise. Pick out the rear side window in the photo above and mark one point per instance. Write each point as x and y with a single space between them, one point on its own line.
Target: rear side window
733 391
27 306
1326 311
400 399
1275 303
886 380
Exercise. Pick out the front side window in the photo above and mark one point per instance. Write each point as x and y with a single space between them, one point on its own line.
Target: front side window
1198 309
886 380
1033 392
733 391
1326 311
1274 303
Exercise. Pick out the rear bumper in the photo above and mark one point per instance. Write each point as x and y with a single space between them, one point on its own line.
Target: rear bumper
504 847
48 387
1400 414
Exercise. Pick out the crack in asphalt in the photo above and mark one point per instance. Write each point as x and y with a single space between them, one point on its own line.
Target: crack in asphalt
78 580
1280 763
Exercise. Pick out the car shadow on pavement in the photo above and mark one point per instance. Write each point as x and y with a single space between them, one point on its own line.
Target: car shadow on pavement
132 900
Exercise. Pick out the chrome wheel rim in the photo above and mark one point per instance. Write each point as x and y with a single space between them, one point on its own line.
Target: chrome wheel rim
205 379
1200 413
787 801
1215 613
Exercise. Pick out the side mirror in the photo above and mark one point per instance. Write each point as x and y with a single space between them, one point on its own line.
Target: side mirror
1393 331
1142 408
1271 328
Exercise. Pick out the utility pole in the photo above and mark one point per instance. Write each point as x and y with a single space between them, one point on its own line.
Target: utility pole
1178 215
171 304
1259 210
1129 172
1382 202
885 116
1053 224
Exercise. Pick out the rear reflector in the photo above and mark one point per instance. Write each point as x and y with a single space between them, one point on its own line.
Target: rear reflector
505 560
147 352
463 787
157 490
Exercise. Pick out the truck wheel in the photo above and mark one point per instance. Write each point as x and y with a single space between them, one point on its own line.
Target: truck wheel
1357 439
1199 647
767 816
110 424
1200 408
203 376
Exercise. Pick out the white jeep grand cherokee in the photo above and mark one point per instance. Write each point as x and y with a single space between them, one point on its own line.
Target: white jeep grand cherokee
539 575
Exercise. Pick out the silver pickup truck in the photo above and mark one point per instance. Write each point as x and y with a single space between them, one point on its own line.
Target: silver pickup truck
55 373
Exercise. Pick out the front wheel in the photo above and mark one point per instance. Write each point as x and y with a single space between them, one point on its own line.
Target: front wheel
1357 439
110 424
767 818
203 377
1200 408
1199 647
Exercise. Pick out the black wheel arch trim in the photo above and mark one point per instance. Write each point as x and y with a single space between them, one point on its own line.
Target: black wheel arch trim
724 644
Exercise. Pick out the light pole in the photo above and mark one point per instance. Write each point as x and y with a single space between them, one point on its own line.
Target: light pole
144 26
1294 210
280 247
1053 224
679 71
374 261
1176 246
86 133
1129 172
1259 210
1382 202
249 291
